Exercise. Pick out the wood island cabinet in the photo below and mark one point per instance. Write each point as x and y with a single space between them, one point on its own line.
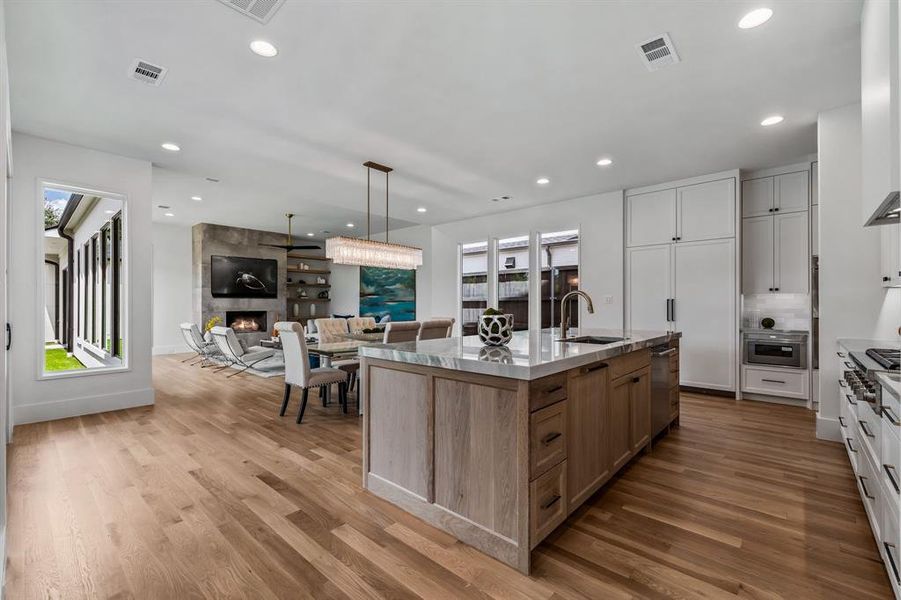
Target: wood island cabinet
497 462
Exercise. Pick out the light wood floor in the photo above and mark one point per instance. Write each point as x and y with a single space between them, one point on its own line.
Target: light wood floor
209 494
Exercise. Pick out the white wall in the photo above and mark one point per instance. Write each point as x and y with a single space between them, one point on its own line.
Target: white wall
5 425
852 302
37 399
345 279
599 219
172 288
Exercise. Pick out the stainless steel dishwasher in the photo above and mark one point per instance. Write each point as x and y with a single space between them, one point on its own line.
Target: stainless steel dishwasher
660 387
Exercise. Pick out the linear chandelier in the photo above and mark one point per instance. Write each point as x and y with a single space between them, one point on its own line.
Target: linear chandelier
371 253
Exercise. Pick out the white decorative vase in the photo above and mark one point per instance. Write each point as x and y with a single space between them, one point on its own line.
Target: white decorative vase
296 309
496 330
312 310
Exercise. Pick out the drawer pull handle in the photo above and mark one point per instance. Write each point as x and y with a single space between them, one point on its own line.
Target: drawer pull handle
890 552
554 389
865 429
849 365
636 379
664 353
891 416
550 437
549 503
851 400
773 380
889 469
850 447
840 355
586 370
863 485
842 383
841 421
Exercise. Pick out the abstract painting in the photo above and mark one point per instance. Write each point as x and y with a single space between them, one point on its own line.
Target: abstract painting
388 292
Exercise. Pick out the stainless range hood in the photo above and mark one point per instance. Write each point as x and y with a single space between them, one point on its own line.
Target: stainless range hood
888 213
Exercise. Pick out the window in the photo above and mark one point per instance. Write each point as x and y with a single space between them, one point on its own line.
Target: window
473 284
84 234
513 279
559 274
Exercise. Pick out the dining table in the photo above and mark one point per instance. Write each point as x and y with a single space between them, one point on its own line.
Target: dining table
345 348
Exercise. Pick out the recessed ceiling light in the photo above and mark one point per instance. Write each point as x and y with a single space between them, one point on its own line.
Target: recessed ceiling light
311 234
756 17
421 209
542 181
773 120
263 48
604 162
196 198
170 147
170 214
350 224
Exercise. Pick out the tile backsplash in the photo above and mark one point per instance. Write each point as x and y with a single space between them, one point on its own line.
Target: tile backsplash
790 311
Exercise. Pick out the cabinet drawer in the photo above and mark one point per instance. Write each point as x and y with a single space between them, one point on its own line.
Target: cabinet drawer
547 390
889 545
547 438
776 382
852 444
547 503
869 427
870 492
623 365
891 461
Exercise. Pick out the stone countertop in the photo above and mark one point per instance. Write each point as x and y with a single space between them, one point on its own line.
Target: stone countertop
891 383
529 355
862 344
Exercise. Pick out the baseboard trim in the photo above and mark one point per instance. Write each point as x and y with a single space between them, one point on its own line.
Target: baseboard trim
3 564
174 349
707 391
828 429
76 407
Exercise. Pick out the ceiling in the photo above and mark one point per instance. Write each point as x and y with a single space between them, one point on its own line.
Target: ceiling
467 101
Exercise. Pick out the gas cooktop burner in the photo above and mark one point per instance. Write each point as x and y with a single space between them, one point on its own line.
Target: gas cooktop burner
888 358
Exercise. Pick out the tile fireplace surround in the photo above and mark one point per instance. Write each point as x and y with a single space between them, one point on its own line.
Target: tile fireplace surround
209 240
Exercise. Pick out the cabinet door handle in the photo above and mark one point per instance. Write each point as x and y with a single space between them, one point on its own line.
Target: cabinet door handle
865 429
669 316
886 278
673 309
848 444
636 379
9 336
889 551
849 365
851 400
842 383
889 414
777 289
771 210
549 503
773 380
889 470
550 437
554 389
775 210
863 485
587 370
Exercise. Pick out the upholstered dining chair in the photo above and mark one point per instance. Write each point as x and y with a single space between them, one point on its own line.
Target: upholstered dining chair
401 331
234 352
299 373
202 349
360 323
331 330
435 329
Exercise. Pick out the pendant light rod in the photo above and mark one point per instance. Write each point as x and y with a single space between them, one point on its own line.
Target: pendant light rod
384 169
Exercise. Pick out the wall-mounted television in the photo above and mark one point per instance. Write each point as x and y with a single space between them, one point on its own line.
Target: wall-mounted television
237 277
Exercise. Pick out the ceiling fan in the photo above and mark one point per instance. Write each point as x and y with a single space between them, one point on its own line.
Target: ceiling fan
289 241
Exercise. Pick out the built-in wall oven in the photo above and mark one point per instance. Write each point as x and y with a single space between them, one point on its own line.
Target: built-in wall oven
775 348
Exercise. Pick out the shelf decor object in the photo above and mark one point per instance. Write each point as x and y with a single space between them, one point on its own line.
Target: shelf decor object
496 330
344 250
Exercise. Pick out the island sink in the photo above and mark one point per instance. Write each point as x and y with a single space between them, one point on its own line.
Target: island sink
591 339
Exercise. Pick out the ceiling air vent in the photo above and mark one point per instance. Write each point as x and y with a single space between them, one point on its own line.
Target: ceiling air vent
658 52
258 10
146 72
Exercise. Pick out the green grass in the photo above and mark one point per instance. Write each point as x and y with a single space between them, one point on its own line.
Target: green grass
55 359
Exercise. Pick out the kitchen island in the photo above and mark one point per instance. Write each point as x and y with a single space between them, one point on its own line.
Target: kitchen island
498 445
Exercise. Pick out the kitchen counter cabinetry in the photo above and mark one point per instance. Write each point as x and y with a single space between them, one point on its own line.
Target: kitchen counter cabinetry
499 461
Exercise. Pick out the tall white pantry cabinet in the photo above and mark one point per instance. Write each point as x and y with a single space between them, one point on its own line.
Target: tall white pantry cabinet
681 272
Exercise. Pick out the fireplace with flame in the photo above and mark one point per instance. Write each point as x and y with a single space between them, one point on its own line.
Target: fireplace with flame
246 321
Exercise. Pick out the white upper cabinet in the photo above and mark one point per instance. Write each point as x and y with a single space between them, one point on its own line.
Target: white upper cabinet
791 192
891 255
791 253
649 282
757 197
757 249
815 183
706 211
703 211
815 229
651 218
